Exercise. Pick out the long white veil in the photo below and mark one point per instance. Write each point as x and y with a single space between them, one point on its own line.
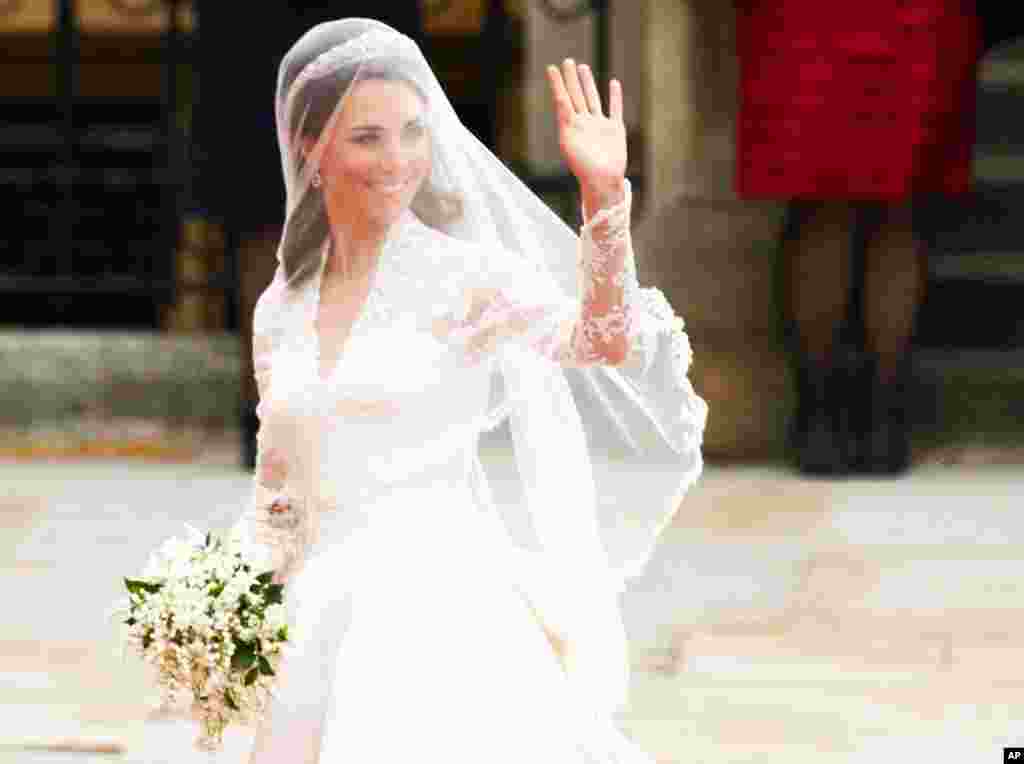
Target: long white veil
603 454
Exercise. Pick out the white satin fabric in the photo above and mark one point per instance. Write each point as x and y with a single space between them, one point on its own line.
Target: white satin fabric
428 627
420 642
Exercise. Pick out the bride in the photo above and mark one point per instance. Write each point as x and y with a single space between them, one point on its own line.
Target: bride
426 304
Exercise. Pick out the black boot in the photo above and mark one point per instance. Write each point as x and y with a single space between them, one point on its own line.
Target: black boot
884 438
818 441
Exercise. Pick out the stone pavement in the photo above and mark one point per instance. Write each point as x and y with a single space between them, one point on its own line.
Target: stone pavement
781 620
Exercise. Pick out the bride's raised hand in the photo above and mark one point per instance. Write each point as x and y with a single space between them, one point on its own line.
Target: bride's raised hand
594 145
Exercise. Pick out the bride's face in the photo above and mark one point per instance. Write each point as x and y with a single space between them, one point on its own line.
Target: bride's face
379 152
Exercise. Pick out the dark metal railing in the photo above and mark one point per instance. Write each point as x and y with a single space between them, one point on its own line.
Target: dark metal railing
103 185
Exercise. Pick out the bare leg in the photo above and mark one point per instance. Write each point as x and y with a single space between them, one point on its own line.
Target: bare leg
818 262
894 285
895 275
818 276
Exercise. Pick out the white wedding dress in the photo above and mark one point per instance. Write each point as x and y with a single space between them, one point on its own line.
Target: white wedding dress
427 627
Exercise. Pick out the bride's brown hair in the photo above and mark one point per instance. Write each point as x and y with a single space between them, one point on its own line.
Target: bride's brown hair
312 106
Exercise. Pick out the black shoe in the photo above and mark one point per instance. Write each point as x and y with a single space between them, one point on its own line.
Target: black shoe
818 441
884 440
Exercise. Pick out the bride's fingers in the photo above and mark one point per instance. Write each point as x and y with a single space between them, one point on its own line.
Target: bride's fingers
563 106
590 90
615 100
572 84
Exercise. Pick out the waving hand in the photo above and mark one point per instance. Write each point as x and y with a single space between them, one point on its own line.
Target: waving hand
594 145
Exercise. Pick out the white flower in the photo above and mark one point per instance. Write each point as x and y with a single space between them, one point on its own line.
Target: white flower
275 616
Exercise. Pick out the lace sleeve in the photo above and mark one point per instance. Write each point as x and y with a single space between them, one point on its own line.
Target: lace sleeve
519 306
273 521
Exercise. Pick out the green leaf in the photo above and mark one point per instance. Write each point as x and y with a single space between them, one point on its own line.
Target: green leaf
282 633
131 621
265 667
273 595
207 544
266 578
138 586
230 700
251 676
244 656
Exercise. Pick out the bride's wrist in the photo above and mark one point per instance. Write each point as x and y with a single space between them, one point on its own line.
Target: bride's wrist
602 195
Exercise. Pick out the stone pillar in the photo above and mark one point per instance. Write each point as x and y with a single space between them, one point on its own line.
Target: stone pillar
712 254
549 42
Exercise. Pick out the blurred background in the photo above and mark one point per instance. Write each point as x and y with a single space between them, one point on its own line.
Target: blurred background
139 180
127 279
127 273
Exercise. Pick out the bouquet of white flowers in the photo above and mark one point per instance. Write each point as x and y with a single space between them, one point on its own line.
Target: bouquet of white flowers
212 624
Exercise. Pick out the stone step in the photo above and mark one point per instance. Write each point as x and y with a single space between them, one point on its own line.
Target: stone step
988 220
1000 113
55 375
781 620
151 395
995 268
738 723
970 307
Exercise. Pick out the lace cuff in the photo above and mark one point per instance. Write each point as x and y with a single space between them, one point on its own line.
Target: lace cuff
644 314
606 251
608 281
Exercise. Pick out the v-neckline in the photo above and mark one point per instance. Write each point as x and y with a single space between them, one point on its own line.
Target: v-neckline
371 294
325 377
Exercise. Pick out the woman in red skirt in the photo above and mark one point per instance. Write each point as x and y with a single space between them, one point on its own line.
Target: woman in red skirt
850 111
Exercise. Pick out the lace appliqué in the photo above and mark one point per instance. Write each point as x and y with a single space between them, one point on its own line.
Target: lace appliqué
605 257
645 315
605 251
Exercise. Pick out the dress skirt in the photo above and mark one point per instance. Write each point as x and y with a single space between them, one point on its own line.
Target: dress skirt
418 639
870 100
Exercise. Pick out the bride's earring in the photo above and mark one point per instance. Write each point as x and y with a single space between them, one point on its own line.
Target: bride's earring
316 179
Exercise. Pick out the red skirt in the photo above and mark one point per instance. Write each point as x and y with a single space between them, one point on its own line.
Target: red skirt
870 99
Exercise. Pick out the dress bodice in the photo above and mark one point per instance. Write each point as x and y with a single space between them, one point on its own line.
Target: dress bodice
456 337
399 401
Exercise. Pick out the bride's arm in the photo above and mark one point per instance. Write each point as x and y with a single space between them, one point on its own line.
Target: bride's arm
270 521
608 283
593 142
